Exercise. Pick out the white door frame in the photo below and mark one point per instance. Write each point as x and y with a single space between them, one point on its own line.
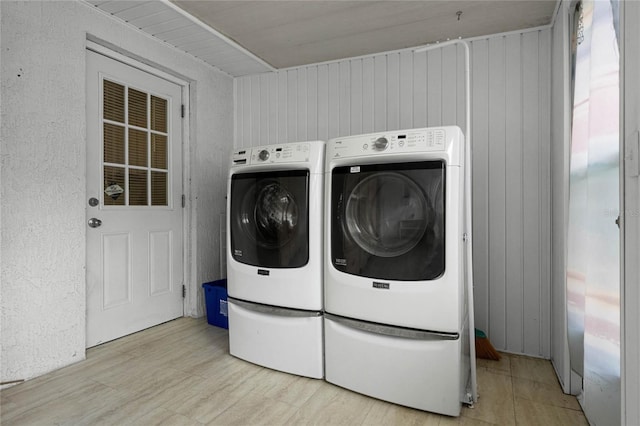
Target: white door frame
186 160
630 208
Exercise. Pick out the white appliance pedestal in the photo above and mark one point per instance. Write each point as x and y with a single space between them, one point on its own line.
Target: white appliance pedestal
277 338
424 374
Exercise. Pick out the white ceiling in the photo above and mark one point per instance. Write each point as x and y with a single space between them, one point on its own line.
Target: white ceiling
248 37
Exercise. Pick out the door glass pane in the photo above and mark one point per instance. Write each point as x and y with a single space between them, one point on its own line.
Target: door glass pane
158 189
140 143
158 151
158 114
137 148
137 108
137 187
114 186
113 144
113 102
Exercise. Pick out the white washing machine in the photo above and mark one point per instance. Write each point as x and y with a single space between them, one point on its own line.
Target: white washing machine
274 256
396 313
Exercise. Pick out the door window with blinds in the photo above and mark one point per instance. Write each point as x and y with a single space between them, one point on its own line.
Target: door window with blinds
135 167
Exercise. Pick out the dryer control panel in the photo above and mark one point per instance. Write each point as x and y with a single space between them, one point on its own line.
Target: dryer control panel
406 141
272 154
447 139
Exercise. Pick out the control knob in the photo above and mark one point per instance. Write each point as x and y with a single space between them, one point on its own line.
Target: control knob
381 144
263 155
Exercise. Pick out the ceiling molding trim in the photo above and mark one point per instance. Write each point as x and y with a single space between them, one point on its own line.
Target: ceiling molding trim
430 46
217 34
421 48
90 36
555 13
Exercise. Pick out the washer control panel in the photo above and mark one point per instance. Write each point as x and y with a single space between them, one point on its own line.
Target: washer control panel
285 153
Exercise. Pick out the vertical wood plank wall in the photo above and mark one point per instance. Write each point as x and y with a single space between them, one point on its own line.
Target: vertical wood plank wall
511 151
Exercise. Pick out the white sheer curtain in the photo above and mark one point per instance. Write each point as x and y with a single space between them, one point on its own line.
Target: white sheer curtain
593 277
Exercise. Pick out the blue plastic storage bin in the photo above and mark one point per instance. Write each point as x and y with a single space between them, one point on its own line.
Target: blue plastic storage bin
215 295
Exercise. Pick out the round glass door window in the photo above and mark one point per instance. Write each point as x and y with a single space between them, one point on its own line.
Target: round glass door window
387 214
272 213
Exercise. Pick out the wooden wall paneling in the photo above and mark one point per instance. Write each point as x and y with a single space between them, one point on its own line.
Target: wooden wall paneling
513 196
263 105
334 100
497 183
323 102
254 108
544 209
344 94
461 113
272 109
380 93
449 84
434 87
531 192
420 90
239 108
237 113
312 103
302 105
480 184
356 90
292 105
246 111
393 91
406 90
281 105
368 99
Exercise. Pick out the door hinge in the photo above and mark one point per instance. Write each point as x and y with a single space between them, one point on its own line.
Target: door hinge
632 152
182 110
184 291
184 201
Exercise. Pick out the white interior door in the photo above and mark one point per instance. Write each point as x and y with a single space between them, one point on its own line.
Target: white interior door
134 194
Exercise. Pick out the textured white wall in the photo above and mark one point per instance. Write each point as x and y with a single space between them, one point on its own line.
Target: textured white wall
511 150
43 174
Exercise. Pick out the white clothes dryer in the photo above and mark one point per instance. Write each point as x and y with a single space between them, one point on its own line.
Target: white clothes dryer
396 314
274 256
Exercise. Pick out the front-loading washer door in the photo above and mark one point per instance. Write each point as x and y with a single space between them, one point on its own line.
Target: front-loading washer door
269 218
388 220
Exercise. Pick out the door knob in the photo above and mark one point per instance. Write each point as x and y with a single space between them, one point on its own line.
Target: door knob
94 223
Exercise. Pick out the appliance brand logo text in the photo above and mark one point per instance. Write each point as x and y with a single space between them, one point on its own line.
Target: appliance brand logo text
381 285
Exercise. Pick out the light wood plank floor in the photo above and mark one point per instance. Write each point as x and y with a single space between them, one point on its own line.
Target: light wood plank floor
181 373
